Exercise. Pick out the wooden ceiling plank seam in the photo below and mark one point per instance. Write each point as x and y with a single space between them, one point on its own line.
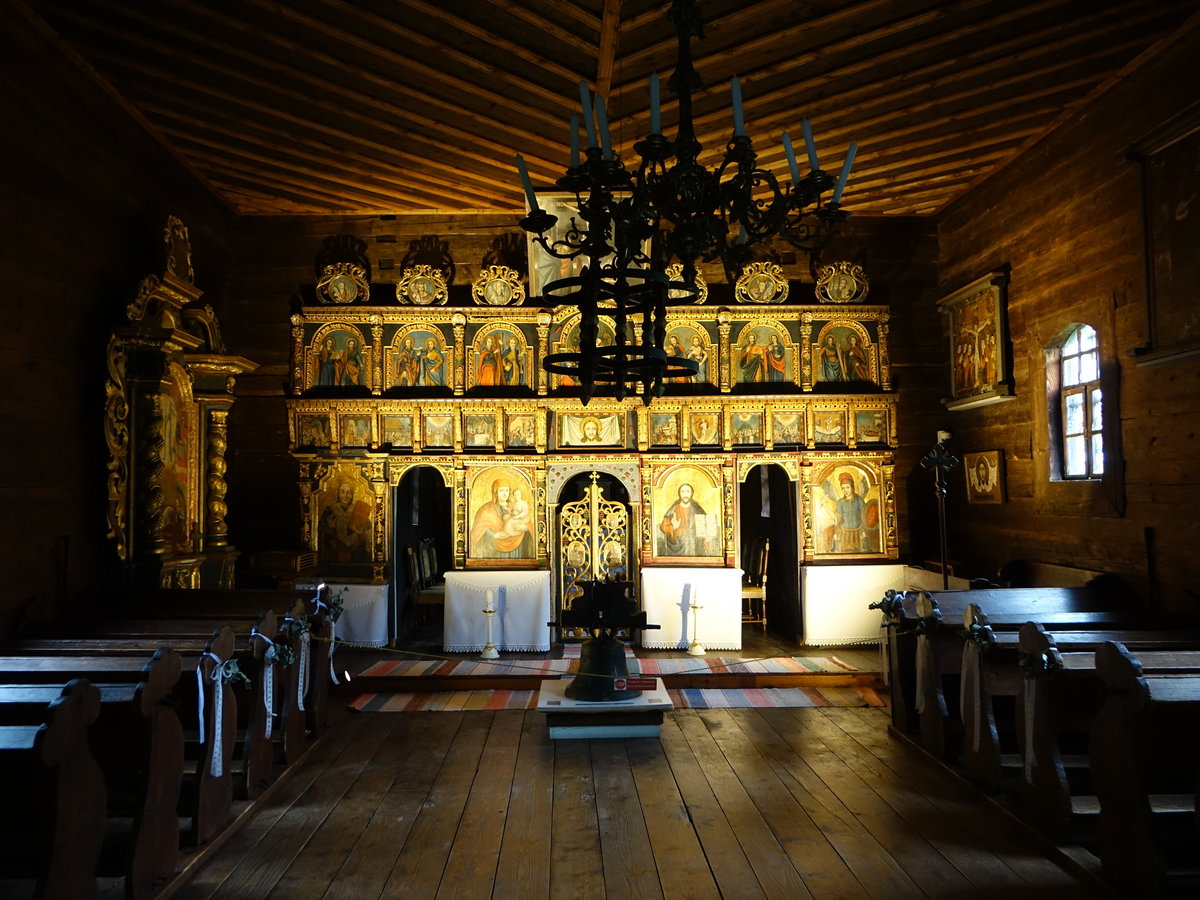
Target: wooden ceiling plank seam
846 14
317 176
289 74
418 70
337 144
1007 61
521 11
670 104
316 154
841 73
456 57
460 139
280 180
897 105
530 57
302 204
1069 112
606 53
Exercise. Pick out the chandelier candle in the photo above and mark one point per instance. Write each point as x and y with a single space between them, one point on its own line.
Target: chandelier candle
810 146
638 212
791 158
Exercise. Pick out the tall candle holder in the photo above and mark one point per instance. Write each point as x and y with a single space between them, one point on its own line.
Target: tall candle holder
489 610
695 648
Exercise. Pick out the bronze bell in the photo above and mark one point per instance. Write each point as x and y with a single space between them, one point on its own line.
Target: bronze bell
601 662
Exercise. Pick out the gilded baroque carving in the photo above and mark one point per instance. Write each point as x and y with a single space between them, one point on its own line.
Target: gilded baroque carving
116 436
217 531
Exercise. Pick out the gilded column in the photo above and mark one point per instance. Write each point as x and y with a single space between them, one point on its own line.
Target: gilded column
216 532
149 503
724 325
297 354
805 349
885 363
543 339
377 361
459 323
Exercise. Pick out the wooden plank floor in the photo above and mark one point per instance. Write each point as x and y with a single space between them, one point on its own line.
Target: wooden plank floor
785 803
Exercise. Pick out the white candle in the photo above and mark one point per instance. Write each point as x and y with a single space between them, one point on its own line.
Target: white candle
695 595
739 124
527 184
585 99
791 158
490 601
574 140
655 123
810 146
841 182
602 122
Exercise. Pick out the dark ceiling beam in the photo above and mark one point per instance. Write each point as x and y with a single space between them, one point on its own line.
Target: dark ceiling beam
606 54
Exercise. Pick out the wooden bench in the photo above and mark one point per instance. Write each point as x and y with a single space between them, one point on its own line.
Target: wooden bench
53 828
1060 696
1145 747
925 639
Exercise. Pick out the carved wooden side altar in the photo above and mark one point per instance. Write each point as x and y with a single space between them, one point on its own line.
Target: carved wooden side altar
168 396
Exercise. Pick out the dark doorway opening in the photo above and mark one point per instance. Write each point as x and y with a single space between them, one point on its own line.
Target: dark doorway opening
422 508
767 501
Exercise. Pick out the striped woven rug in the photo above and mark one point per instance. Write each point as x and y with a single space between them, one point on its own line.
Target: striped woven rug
455 668
686 698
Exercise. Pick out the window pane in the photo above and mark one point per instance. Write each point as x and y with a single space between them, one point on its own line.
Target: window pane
1087 337
1071 370
1076 455
1097 410
1073 414
1072 343
1097 454
1089 367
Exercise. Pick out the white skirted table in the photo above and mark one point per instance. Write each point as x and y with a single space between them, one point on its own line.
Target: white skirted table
522 601
667 595
364 618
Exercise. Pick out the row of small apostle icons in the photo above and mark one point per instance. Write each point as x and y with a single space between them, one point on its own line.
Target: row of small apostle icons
421 358
345 283
484 431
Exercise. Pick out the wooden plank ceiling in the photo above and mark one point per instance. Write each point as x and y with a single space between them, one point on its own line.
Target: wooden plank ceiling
389 106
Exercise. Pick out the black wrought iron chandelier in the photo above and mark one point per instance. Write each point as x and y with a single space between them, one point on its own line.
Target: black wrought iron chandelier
632 225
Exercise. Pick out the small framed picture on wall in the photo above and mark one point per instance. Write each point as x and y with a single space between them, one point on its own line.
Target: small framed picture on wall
985 476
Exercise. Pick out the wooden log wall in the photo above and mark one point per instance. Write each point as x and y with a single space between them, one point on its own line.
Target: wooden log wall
86 197
1067 217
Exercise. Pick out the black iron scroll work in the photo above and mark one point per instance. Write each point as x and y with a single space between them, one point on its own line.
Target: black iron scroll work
603 608
940 461
616 280
622 213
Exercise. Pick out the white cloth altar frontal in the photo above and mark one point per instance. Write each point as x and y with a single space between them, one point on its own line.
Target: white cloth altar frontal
667 597
364 618
522 601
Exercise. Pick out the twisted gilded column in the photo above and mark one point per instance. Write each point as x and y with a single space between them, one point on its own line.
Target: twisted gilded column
216 532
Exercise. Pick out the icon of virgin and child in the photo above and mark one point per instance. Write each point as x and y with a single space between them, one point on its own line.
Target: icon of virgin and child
502 526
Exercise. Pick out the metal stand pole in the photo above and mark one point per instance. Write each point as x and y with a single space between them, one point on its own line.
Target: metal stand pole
941 461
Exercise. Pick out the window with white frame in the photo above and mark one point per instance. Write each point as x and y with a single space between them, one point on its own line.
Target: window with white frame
1081 405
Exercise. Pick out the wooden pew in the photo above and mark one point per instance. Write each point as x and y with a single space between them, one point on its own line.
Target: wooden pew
939 651
1061 695
208 780
994 664
54 791
1145 744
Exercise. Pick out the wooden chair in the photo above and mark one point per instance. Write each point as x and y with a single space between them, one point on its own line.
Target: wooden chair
429 595
754 586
